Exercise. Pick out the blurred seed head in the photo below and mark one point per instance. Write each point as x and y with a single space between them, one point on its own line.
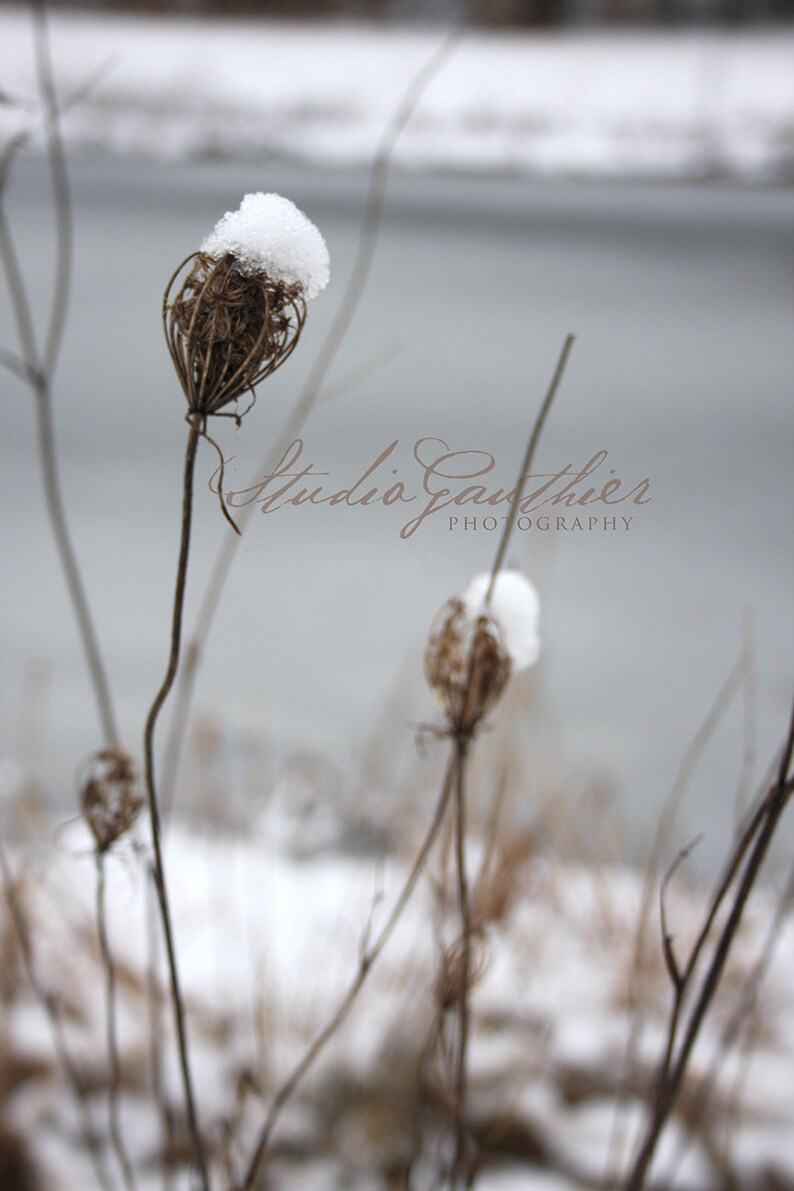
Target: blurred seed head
466 665
109 800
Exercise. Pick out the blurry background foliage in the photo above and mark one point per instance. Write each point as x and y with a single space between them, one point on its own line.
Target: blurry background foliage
480 12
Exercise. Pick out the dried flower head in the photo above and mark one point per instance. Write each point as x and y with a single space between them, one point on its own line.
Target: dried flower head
467 665
478 641
109 800
233 311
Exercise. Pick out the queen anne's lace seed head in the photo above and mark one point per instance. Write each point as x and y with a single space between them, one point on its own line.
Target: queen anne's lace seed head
466 665
475 645
233 312
109 799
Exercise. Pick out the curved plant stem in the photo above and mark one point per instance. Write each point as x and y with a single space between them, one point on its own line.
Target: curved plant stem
37 368
366 961
116 1134
38 379
154 810
348 306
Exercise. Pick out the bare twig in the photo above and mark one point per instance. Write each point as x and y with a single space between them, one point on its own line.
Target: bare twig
56 158
733 1027
683 777
529 456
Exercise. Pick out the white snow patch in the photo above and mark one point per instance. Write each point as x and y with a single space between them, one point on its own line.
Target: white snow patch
581 102
515 607
269 234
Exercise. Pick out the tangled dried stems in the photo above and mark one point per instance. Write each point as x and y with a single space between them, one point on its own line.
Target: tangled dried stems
228 329
51 1005
741 871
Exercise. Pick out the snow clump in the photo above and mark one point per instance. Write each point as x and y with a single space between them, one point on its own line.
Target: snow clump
269 234
514 607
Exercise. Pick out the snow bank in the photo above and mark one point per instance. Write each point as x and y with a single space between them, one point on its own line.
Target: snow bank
268 943
619 103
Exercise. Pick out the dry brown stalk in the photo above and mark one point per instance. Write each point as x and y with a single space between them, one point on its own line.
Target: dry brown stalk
464 1164
664 826
366 962
158 867
227 327
154 1000
468 667
308 396
110 804
750 852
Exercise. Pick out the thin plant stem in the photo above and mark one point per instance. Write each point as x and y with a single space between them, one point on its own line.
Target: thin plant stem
56 157
37 369
155 1006
158 867
116 1133
51 1007
694 752
460 1168
365 965
526 464
732 1031
66 551
308 396
754 845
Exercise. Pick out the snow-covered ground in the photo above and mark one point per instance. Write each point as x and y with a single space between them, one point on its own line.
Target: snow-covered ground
627 103
270 927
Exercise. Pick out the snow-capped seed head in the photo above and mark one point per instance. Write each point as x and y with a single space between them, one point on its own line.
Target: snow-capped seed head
233 312
466 665
109 798
269 234
515 607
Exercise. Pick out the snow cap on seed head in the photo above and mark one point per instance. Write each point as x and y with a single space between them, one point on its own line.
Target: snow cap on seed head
475 645
269 234
515 607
